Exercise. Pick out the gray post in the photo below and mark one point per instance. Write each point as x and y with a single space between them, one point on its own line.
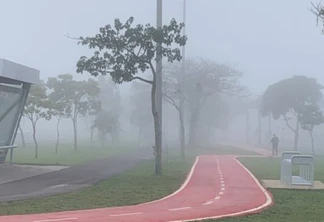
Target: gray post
158 94
180 81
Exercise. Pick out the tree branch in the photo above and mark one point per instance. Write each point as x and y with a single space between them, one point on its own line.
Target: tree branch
292 111
142 79
287 123
171 101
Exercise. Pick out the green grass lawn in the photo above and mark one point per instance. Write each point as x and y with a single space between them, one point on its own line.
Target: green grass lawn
290 205
135 186
66 154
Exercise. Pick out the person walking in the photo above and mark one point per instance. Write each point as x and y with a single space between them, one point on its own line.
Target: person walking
275 142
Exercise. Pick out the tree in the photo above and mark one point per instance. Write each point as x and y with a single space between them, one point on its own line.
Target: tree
110 100
318 11
106 123
288 97
203 80
213 115
311 116
123 51
76 97
57 111
37 107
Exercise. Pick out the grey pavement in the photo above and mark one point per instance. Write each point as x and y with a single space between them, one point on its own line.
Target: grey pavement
9 173
70 179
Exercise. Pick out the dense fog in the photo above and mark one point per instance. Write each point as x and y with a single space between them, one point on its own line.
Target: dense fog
253 43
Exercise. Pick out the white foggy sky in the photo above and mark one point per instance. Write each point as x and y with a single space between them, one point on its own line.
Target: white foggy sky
267 40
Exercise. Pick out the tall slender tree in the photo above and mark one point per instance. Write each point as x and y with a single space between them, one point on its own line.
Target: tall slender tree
37 107
123 51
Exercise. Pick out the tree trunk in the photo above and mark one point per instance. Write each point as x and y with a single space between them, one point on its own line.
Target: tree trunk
269 127
157 133
103 139
312 140
57 135
91 137
296 135
247 126
182 134
259 129
139 135
192 133
75 134
35 140
22 136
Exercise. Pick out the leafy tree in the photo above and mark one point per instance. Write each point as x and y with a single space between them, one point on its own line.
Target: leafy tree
214 115
106 123
76 98
57 110
37 107
204 79
123 51
289 97
311 116
110 100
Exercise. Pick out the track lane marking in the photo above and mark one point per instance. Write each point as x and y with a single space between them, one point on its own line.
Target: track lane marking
55 220
181 208
126 214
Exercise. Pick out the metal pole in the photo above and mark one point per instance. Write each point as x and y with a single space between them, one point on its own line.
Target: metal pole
180 82
158 94
184 31
259 128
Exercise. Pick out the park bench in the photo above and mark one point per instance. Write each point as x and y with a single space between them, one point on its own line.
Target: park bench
305 168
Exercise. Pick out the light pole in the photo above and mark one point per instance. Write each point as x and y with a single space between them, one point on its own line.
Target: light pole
180 80
158 93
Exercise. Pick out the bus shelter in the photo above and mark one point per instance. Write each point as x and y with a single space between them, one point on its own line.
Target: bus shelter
15 82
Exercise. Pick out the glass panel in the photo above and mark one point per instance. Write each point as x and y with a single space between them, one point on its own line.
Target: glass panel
9 106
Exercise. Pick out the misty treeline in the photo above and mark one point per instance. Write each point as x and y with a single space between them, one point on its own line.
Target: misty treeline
62 97
298 101
198 97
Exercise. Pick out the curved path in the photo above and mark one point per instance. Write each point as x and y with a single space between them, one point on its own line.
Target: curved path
217 186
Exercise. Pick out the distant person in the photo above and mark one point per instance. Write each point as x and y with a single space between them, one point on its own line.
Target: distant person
275 142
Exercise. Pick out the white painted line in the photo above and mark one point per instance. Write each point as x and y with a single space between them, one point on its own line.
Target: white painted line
217 197
207 203
220 193
223 185
182 208
129 214
223 188
266 204
60 185
181 188
54 220
222 181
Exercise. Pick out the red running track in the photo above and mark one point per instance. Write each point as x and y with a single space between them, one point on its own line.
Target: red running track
216 187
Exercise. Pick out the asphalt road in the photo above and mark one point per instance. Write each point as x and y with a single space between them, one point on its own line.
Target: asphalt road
70 179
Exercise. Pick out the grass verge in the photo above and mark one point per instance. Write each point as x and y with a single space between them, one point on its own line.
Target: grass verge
66 154
290 205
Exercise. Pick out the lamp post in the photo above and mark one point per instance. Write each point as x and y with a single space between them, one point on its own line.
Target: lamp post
180 82
158 93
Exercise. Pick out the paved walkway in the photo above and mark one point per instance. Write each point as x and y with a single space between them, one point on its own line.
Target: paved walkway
217 186
70 179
